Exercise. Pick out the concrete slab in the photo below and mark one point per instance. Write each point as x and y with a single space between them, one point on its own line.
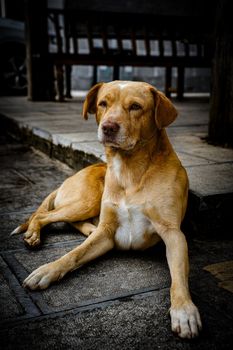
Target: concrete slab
187 130
209 180
114 274
55 128
11 177
10 308
8 223
195 146
60 137
192 112
68 139
188 160
21 161
92 148
224 272
136 323
21 199
119 301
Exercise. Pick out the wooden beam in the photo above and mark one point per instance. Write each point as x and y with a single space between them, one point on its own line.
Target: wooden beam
221 102
40 73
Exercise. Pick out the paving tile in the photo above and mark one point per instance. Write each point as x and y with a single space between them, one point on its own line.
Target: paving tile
22 199
211 179
206 287
174 130
29 195
94 148
40 132
192 113
136 323
8 223
105 304
68 139
51 127
189 160
10 308
114 274
224 272
22 116
23 158
195 146
11 177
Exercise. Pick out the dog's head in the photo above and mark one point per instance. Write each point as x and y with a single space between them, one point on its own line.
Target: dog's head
128 112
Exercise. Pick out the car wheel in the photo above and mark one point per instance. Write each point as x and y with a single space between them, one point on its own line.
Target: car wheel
13 72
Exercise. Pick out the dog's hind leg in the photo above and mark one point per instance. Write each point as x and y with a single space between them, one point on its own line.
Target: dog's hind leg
46 205
86 227
70 213
98 243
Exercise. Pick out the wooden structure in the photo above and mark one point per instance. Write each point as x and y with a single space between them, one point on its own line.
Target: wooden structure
114 39
126 32
39 72
221 102
188 23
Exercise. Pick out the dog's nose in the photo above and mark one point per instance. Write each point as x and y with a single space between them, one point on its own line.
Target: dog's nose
110 128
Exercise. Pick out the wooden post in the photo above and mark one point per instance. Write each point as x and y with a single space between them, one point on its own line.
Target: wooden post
180 82
68 69
39 70
95 75
116 72
221 103
168 81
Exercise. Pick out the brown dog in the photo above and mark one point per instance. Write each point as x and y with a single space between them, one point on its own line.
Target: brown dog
144 196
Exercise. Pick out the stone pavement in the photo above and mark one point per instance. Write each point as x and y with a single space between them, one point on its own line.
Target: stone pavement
59 130
119 301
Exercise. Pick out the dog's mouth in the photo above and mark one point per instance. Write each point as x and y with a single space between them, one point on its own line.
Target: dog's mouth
109 141
123 145
118 140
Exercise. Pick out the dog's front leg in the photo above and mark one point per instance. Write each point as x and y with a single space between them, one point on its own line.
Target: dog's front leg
185 318
97 244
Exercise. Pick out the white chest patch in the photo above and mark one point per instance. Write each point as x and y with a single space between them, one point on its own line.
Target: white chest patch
133 225
116 166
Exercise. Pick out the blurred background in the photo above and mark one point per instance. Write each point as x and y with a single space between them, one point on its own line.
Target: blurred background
13 49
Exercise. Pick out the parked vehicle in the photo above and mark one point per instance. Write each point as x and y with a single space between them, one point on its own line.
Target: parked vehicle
13 78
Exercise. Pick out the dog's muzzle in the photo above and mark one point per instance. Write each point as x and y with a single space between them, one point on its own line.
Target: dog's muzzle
109 131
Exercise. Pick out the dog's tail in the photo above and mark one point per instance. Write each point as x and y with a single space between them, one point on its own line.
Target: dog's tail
46 205
20 229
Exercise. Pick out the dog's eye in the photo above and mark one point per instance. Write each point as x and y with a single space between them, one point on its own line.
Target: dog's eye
103 104
135 107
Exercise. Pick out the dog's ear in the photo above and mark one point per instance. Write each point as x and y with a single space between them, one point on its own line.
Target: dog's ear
165 112
89 105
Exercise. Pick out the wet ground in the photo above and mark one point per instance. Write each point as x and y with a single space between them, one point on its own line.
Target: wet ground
119 301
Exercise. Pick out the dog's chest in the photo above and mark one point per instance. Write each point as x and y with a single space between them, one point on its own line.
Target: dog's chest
133 227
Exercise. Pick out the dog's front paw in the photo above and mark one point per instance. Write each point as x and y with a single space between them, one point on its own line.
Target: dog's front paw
42 277
32 239
185 320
